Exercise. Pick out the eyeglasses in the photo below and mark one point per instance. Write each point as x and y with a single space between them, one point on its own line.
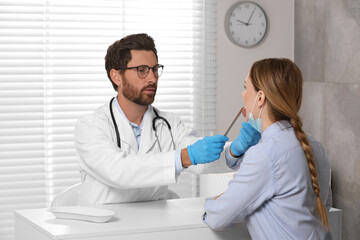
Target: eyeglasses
143 70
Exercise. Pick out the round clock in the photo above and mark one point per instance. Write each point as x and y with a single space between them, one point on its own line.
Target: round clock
246 24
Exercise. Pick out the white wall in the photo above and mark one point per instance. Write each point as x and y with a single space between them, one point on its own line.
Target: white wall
234 62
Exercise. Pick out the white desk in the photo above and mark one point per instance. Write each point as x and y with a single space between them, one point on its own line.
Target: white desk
178 219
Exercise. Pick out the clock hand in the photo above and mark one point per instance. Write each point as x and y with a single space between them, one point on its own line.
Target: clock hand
250 17
242 22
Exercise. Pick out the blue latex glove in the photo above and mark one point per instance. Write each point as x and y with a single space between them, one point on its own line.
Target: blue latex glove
247 138
207 149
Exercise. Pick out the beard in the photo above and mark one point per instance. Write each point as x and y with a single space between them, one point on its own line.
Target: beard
136 96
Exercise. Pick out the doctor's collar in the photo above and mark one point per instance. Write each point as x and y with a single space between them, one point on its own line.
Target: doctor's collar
134 125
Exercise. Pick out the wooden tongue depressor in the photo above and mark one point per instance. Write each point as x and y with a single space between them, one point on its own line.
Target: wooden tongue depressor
243 111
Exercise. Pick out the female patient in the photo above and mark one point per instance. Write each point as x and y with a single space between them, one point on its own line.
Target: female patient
276 189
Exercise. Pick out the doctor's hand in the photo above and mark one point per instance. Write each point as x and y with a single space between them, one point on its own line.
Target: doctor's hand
247 138
206 150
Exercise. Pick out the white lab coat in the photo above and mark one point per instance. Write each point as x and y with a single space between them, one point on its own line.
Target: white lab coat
113 175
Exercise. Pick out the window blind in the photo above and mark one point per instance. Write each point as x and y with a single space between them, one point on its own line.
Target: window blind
22 116
52 72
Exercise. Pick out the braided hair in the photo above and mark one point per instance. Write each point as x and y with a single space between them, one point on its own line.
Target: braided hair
281 80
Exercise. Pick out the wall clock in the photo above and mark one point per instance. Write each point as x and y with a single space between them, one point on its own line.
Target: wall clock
246 24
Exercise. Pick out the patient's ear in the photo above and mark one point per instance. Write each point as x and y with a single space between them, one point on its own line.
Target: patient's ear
261 98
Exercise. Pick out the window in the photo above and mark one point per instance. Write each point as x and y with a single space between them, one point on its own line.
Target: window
52 72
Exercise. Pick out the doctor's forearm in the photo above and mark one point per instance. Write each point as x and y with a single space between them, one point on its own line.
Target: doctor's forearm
185 159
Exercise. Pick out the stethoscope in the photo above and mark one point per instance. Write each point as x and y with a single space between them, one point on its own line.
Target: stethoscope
158 117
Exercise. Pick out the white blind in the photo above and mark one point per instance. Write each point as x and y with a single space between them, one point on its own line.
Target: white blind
52 72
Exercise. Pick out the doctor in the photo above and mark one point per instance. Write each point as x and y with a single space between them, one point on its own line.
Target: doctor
128 150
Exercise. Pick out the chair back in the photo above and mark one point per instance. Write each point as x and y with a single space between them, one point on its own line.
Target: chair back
68 197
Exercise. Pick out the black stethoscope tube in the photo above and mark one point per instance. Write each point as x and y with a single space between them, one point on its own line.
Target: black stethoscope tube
115 125
153 125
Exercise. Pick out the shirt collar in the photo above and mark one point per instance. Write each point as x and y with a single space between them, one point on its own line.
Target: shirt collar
133 125
274 128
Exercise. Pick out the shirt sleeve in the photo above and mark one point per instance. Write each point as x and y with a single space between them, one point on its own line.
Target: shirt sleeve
178 165
232 162
252 185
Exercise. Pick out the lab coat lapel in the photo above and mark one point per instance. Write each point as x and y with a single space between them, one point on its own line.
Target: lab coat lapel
126 132
148 138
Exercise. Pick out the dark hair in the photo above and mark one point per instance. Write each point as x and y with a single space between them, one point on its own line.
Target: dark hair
118 54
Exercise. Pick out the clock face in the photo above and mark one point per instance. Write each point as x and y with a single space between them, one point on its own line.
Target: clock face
246 24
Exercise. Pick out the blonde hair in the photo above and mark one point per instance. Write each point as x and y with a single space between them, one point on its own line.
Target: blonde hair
281 81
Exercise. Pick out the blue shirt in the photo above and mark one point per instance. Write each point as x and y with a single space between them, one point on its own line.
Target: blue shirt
271 191
138 130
